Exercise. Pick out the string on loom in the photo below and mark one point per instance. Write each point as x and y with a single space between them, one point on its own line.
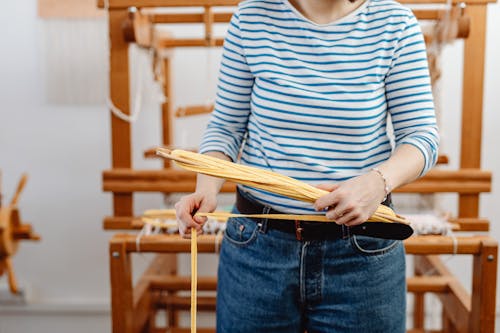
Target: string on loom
137 107
431 224
139 91
218 240
146 230
165 220
152 228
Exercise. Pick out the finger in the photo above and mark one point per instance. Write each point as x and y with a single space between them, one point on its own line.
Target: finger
186 223
187 232
183 213
347 217
328 200
185 228
204 208
328 187
200 219
355 221
184 231
335 215
340 211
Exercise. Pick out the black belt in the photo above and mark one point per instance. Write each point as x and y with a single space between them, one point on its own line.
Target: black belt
308 231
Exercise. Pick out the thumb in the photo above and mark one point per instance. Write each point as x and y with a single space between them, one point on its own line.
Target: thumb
328 187
205 207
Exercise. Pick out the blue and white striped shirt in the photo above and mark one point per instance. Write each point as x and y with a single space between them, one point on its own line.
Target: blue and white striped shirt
313 100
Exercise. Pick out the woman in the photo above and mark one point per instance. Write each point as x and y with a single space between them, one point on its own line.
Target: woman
306 89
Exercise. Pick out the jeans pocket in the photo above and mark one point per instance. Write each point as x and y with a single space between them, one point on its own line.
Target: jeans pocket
370 246
241 231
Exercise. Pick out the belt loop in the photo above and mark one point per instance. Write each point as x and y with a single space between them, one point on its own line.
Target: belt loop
345 232
263 221
298 230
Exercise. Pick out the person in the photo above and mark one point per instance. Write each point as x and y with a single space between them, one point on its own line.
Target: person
335 93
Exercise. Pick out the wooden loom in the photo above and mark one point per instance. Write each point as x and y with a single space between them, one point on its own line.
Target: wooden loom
12 231
134 308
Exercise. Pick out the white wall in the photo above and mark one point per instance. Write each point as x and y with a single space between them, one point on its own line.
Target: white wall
64 148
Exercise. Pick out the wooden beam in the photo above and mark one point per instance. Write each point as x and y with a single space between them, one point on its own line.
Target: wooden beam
447 324
121 223
208 244
472 102
191 110
423 284
188 330
163 186
165 43
188 42
418 311
200 109
457 306
166 3
119 94
167 18
63 9
428 14
161 265
456 303
459 181
176 282
443 244
128 180
471 224
142 306
418 304
201 3
167 181
184 303
484 281
122 310
167 126
443 159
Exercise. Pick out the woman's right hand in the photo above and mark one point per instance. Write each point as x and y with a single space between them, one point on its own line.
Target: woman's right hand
190 204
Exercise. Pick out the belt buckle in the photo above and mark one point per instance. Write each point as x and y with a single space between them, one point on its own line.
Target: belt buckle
298 230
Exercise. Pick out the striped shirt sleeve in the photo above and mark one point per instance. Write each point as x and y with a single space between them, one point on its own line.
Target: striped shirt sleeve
229 119
409 95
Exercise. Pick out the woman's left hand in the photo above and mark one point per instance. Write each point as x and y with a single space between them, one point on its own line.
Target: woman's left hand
354 201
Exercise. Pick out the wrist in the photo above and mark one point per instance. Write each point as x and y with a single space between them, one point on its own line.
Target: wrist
386 185
206 192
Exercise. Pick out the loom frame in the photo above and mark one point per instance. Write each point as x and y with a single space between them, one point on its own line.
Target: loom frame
134 307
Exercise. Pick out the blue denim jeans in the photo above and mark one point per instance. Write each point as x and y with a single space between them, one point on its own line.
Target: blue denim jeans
270 282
